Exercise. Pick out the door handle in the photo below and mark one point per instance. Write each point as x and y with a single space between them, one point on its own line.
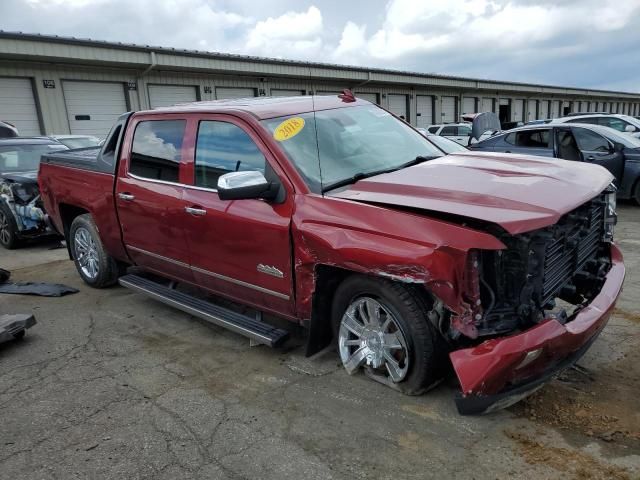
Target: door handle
126 196
198 212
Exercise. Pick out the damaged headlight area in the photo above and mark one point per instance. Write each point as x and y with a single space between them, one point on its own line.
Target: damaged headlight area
22 198
521 285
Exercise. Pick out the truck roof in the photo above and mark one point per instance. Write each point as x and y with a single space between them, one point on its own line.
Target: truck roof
264 107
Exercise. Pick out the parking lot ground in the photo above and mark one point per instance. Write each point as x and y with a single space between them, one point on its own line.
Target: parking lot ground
110 384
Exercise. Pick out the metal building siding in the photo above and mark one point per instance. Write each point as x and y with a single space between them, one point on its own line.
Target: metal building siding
168 95
18 105
448 109
231 92
101 102
469 105
424 110
398 105
555 109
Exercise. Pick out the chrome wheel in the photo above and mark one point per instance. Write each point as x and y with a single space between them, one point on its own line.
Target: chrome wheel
370 335
86 252
5 233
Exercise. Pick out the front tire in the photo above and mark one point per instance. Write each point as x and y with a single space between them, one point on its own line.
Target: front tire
383 326
96 267
8 228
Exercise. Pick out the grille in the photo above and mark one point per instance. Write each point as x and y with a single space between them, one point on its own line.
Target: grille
576 241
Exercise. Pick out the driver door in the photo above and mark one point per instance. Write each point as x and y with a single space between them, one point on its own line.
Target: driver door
597 149
240 249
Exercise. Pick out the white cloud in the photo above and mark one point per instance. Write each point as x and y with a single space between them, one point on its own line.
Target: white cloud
287 36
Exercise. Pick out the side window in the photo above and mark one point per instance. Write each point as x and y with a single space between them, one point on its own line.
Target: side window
510 139
590 141
533 138
223 147
433 129
156 152
449 131
464 131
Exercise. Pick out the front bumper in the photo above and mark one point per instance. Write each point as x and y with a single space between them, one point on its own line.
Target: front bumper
499 372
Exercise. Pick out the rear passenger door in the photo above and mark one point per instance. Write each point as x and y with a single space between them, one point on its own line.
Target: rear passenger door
238 248
530 142
597 149
149 195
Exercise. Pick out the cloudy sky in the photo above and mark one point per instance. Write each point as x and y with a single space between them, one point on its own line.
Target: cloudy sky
586 43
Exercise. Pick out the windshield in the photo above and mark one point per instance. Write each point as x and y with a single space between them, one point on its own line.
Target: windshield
446 145
344 142
82 142
24 158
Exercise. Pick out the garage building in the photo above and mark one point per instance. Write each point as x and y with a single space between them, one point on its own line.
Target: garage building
58 85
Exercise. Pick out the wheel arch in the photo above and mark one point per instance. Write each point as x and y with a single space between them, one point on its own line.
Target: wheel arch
68 214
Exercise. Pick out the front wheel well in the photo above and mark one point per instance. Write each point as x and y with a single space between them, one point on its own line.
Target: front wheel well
328 278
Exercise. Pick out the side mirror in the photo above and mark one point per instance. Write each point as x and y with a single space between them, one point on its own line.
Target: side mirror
618 147
246 185
630 129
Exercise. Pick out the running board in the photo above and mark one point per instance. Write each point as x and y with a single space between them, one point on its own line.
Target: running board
249 327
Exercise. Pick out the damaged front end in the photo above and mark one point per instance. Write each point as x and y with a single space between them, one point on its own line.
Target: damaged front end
544 300
20 196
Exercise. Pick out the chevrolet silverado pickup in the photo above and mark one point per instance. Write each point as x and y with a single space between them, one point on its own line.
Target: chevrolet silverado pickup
334 214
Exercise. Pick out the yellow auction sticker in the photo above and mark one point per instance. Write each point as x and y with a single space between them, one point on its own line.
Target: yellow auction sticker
288 129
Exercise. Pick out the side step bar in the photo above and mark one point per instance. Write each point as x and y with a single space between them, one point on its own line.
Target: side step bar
249 327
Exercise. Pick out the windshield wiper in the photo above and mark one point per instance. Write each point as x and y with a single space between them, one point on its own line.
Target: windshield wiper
362 175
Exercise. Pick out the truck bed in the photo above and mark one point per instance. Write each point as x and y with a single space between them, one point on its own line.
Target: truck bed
83 158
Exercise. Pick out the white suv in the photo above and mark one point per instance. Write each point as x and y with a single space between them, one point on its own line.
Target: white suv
458 132
622 123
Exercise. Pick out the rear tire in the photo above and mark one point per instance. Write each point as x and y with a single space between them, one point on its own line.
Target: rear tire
96 267
8 228
400 347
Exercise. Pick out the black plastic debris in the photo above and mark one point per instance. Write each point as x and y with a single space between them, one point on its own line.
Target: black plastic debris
42 289
13 327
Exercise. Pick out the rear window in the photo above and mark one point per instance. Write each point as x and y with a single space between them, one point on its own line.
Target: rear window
24 158
449 131
432 129
157 149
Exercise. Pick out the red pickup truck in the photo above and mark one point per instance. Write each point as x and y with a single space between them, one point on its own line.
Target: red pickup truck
334 214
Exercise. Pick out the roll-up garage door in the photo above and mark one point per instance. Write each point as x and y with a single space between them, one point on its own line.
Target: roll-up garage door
487 104
424 110
281 92
369 97
448 109
167 95
468 105
328 92
593 106
544 109
398 105
93 107
555 109
18 106
532 114
518 110
228 92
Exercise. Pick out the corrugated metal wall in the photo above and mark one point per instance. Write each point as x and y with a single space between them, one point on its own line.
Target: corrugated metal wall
53 115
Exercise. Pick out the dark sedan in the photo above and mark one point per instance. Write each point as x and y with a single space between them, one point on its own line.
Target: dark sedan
617 152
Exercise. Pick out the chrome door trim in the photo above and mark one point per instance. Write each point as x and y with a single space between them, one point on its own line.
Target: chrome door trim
211 274
241 283
159 257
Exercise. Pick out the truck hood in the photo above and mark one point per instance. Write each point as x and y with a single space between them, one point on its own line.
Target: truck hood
520 193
